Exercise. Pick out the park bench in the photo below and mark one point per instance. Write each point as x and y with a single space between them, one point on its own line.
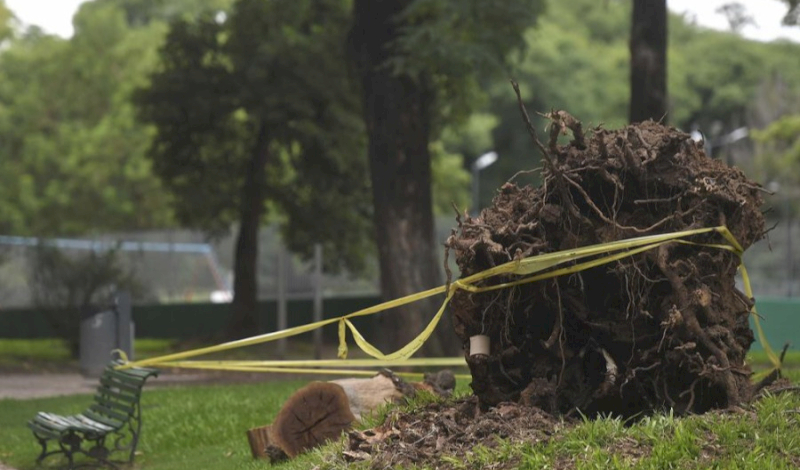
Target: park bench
111 424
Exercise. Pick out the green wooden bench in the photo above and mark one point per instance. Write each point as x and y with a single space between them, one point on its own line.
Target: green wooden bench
112 424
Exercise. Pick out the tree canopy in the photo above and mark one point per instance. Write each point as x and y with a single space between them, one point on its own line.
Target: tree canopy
73 155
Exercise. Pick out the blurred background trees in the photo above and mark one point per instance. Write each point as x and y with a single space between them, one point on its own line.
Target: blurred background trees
224 115
256 106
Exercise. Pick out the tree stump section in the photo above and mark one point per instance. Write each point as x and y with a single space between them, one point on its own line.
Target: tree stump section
320 411
662 329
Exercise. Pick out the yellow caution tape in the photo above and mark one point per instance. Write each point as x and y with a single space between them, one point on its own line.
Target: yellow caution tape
531 267
297 370
412 362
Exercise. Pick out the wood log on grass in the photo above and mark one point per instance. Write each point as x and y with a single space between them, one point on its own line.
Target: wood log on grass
320 411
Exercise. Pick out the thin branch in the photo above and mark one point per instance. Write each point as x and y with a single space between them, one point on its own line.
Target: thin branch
531 129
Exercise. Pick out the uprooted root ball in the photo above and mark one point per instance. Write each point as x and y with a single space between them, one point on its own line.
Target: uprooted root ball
666 328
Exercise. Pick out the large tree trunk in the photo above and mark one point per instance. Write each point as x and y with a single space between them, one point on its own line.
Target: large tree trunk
649 61
397 112
242 321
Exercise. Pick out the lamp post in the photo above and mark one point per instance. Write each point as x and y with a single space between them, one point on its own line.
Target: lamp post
775 187
480 163
731 138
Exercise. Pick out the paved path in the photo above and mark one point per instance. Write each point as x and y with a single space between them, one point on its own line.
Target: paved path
27 386
23 386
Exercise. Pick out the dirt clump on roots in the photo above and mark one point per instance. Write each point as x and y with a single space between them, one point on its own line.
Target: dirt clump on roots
663 329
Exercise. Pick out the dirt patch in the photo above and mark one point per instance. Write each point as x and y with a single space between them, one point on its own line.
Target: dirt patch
444 429
445 434
666 328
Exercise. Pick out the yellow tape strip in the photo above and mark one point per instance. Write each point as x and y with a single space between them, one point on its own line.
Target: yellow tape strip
299 370
526 267
412 362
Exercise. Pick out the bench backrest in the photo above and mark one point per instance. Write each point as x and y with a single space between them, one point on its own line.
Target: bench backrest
117 397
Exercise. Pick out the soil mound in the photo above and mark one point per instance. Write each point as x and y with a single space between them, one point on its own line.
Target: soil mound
447 429
666 328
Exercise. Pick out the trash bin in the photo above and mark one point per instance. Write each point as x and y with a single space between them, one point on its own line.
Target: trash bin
103 332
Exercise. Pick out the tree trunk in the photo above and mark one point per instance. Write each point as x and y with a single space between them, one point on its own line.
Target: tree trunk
245 283
649 61
397 112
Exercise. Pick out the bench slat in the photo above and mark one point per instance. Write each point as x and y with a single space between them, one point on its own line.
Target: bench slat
124 377
106 411
140 372
63 424
126 407
50 422
111 423
113 384
43 431
121 397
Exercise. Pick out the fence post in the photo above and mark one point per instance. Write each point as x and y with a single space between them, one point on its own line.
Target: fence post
318 299
281 300
124 325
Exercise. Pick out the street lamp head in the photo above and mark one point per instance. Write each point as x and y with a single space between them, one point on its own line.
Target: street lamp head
484 161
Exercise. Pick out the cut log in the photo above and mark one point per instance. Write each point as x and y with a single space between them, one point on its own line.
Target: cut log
316 413
259 440
320 411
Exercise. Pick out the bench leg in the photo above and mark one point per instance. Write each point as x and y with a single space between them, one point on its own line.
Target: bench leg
44 453
68 445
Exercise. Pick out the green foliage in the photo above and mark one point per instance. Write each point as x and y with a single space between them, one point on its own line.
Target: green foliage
272 70
450 181
458 44
778 156
73 153
6 22
139 13
576 58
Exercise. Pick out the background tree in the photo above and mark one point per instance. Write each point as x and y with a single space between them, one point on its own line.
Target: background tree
409 91
648 61
792 16
68 287
737 16
73 155
254 108
7 23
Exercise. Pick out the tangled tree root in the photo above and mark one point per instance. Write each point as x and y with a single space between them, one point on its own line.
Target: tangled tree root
666 328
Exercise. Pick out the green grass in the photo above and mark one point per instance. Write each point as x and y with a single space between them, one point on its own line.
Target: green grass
199 427
203 427
48 355
759 358
764 436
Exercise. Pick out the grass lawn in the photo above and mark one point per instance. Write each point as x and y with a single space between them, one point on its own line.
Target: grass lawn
203 427
199 427
52 355
764 436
